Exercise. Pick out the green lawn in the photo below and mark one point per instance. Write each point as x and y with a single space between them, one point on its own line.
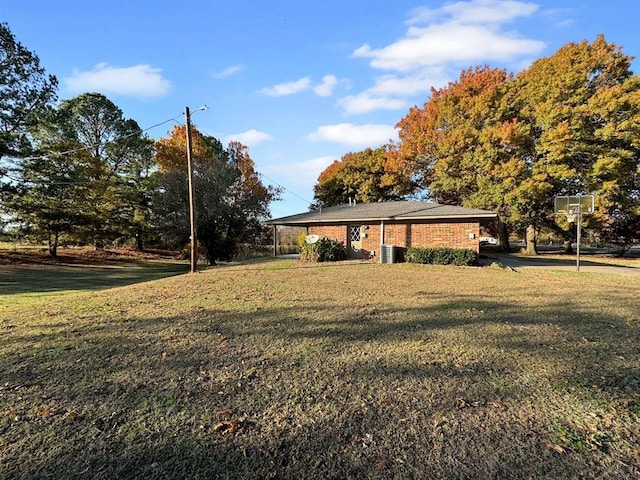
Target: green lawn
351 370
26 283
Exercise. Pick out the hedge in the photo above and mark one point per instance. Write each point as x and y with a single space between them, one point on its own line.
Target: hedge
324 250
441 256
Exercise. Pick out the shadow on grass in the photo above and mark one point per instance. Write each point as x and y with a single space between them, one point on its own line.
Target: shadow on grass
330 395
52 278
543 260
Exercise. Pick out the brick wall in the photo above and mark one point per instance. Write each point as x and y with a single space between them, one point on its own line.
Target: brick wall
441 234
445 234
335 232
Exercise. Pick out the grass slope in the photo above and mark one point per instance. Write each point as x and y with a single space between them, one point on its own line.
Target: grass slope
352 370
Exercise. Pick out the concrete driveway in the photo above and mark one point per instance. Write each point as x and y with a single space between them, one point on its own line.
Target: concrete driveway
587 264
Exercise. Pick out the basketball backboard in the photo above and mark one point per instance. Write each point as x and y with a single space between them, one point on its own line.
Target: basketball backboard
569 205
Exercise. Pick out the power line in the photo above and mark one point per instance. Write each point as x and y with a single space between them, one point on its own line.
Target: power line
273 181
89 147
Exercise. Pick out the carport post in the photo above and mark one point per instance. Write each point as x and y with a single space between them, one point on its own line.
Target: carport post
381 238
275 240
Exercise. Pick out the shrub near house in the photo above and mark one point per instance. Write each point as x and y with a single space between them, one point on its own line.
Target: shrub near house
324 250
441 256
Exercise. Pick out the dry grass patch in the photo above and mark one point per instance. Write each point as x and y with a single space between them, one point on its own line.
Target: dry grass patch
352 370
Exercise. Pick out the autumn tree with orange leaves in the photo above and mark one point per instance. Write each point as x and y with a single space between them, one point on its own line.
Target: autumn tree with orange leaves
231 200
358 176
568 125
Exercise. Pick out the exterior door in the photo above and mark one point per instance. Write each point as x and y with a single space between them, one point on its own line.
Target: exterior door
355 242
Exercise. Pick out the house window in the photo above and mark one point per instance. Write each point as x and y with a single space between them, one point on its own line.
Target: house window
354 233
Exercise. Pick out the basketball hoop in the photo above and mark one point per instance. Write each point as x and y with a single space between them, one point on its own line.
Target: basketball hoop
574 208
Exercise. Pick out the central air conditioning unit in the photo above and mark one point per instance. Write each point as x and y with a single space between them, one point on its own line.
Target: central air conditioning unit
388 254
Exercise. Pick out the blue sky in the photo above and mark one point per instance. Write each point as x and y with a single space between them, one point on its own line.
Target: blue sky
300 82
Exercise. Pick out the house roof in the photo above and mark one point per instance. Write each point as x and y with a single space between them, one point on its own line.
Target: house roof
385 211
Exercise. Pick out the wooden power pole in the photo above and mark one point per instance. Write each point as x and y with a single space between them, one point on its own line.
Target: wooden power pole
192 203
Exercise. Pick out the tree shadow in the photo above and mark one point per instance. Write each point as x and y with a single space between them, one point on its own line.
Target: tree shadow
41 279
319 395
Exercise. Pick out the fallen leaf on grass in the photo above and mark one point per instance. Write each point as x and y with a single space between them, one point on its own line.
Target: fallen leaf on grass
381 464
229 426
49 412
225 412
462 403
555 447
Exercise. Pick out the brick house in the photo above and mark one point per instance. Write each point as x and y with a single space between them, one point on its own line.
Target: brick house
365 227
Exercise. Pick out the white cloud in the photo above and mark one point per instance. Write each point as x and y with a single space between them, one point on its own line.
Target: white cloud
139 80
227 72
460 33
299 175
288 88
391 92
250 138
325 89
370 135
477 11
367 102
408 85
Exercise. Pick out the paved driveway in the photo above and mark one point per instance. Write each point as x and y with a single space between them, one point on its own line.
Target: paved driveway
587 264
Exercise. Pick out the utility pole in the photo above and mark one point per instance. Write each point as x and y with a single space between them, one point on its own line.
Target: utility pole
192 203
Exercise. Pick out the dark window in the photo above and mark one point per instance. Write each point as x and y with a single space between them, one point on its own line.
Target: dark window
354 233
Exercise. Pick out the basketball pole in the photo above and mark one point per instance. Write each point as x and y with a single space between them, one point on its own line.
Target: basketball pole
578 240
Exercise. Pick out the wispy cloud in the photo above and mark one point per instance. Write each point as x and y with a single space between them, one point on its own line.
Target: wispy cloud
227 72
138 81
439 42
391 92
300 176
325 89
475 12
288 88
356 136
367 102
250 138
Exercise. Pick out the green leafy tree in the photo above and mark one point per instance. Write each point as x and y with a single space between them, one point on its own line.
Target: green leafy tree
89 177
118 159
579 109
25 93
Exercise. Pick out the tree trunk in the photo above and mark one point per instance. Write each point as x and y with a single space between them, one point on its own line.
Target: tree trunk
531 241
210 248
139 244
503 237
53 244
567 247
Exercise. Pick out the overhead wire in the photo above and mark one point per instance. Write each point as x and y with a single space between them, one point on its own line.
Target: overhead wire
137 132
274 181
89 147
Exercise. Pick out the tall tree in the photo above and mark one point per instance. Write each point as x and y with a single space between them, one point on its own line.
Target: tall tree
119 158
567 125
88 177
230 197
25 92
457 146
579 109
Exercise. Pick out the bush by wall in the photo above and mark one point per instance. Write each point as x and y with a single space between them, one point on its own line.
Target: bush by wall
441 256
324 250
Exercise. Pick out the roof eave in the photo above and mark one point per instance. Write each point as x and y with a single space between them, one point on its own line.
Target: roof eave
483 216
